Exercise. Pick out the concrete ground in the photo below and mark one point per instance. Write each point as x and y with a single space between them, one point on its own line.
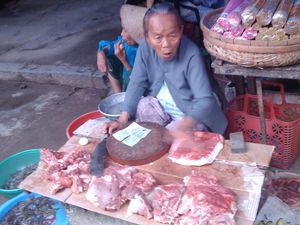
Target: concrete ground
48 75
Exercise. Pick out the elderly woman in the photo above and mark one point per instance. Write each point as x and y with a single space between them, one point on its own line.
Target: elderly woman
170 71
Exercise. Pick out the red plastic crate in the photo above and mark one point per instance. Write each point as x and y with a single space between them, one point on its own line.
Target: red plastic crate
282 125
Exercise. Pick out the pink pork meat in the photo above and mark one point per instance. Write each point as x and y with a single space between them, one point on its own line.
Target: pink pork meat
165 201
67 169
207 202
205 149
120 184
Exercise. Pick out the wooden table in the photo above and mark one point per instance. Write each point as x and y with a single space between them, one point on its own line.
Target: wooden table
243 173
288 72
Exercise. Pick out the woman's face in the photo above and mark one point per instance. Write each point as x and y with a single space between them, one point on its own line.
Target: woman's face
127 37
164 34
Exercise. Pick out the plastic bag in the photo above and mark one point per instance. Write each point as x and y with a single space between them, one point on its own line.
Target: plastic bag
250 33
282 13
234 17
292 26
234 32
222 21
264 16
230 91
250 12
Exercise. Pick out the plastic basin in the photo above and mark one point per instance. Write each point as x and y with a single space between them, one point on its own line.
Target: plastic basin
13 163
81 120
60 215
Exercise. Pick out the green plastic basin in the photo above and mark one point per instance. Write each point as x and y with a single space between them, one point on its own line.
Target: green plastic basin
13 163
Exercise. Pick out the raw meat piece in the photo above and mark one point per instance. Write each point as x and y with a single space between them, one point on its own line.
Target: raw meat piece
120 184
123 173
281 15
48 156
67 170
129 176
165 201
104 192
60 181
144 181
208 147
264 16
285 188
139 204
205 201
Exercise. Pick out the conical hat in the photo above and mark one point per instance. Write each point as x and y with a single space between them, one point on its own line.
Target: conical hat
132 20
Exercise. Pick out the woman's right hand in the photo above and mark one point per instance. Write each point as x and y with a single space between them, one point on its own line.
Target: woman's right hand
111 126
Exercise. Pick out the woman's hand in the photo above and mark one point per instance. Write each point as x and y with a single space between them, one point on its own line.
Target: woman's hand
111 126
183 133
121 55
183 128
120 51
102 62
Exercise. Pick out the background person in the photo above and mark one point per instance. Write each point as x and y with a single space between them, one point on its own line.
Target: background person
116 58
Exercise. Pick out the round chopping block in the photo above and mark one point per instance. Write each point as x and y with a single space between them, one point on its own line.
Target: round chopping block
148 149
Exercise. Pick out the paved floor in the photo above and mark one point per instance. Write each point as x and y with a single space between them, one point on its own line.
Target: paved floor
56 41
57 32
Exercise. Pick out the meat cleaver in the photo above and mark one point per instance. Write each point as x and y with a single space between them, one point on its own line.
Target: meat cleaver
98 159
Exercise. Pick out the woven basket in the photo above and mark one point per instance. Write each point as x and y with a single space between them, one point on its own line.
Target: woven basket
248 53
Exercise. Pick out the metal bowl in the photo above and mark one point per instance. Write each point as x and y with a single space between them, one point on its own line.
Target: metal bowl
111 106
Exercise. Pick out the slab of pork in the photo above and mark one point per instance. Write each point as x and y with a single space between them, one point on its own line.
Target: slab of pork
202 149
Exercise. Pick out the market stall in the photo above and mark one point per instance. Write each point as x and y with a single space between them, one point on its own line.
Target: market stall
242 173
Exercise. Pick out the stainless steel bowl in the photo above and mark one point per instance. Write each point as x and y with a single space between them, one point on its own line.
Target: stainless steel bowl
111 106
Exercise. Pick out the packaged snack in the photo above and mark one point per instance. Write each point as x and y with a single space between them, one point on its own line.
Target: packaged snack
250 12
295 36
292 25
222 20
264 16
234 17
234 32
256 26
249 33
282 13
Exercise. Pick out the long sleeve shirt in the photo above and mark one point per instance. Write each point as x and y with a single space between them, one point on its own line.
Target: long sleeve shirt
187 81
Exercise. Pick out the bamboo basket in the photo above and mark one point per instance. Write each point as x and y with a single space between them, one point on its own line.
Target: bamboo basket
248 53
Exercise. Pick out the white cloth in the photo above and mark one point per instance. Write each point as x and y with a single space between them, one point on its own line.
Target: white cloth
167 102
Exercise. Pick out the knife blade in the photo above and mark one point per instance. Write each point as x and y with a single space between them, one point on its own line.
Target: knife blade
98 159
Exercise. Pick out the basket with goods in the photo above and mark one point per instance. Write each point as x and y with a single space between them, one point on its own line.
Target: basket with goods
254 33
282 124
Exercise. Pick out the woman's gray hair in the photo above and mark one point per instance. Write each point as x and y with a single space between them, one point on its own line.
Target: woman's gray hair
160 9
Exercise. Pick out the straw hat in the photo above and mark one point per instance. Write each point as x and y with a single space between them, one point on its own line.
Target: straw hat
132 20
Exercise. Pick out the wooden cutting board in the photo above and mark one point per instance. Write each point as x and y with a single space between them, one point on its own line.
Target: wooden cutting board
148 149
